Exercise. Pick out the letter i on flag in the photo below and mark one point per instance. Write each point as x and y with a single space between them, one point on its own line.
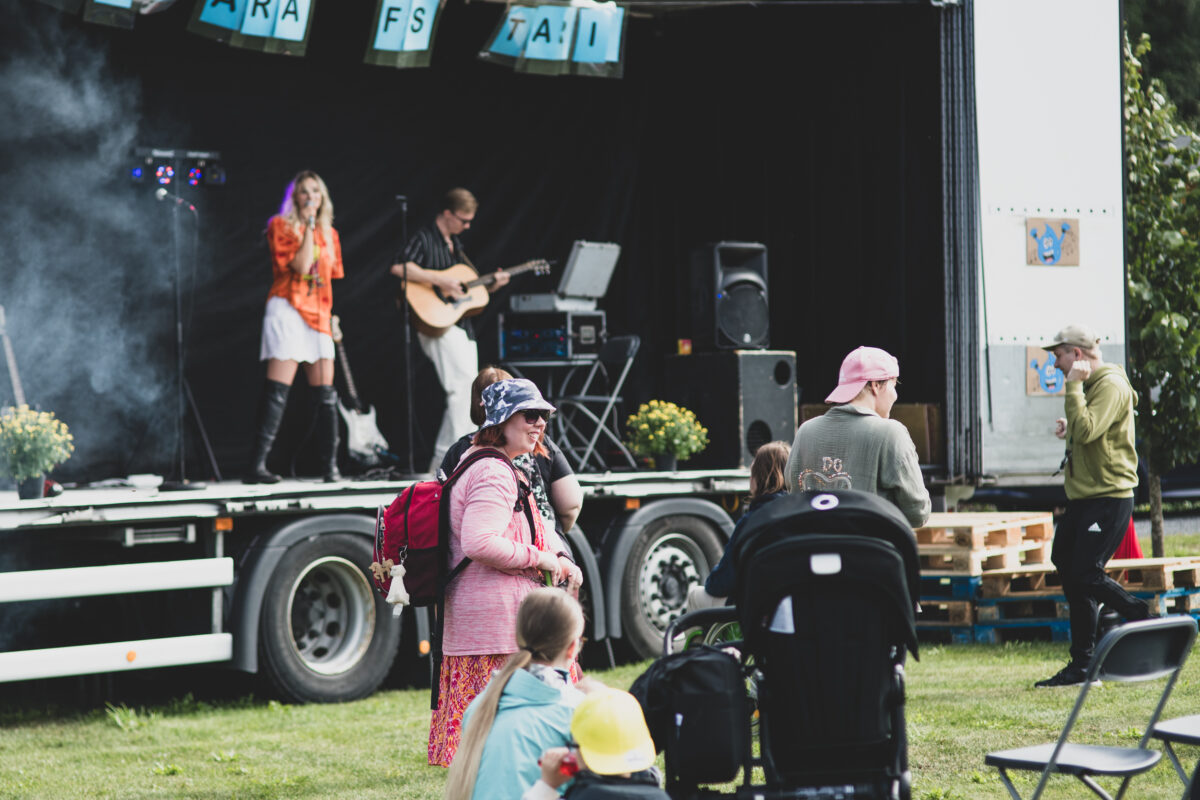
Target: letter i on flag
403 33
572 38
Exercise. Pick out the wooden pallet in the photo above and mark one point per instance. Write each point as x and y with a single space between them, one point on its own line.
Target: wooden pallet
973 543
1135 574
946 612
939 559
1055 630
977 530
935 588
1022 608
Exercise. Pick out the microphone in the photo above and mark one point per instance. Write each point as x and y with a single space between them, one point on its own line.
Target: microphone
162 194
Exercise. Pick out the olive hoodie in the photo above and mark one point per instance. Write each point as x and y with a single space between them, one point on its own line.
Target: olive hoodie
1101 452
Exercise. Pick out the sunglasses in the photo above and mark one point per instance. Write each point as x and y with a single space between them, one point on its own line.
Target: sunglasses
532 415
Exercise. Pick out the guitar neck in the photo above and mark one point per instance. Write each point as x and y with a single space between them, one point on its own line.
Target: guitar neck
345 362
489 279
11 358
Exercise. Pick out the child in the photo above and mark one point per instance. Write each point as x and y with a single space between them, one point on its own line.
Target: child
615 758
527 705
768 480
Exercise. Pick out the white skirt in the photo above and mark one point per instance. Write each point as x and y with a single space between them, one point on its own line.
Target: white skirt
287 337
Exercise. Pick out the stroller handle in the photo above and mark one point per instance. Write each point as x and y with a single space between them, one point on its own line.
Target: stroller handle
702 617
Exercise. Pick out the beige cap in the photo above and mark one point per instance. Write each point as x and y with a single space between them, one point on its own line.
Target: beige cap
1075 335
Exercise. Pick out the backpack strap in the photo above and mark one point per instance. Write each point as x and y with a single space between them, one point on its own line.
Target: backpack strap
523 492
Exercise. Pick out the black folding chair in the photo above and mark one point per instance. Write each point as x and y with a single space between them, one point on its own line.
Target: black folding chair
1181 730
1139 651
589 413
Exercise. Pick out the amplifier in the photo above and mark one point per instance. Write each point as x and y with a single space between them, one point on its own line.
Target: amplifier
551 335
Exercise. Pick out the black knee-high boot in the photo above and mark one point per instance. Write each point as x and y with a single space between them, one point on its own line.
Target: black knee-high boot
327 432
270 414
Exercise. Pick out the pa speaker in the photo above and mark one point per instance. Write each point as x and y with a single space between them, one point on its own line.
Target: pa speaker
729 296
745 398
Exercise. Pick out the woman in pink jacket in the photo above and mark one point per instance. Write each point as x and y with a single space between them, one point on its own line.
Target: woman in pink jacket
508 560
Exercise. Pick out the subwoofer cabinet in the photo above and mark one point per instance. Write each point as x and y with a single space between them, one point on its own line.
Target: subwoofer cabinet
745 398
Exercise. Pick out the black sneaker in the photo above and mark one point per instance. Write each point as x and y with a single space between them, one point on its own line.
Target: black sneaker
1070 675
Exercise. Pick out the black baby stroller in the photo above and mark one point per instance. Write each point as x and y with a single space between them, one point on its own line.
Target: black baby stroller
825 593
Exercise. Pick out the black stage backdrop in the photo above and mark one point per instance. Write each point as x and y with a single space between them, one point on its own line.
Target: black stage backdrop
812 129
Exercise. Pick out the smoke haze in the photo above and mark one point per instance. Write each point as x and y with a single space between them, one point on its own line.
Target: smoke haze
88 278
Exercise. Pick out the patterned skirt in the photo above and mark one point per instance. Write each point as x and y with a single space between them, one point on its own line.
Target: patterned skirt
462 679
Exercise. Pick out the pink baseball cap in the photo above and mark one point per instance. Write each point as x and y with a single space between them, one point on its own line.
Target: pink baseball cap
862 365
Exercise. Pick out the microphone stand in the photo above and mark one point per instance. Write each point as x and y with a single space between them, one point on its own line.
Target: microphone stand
408 398
181 391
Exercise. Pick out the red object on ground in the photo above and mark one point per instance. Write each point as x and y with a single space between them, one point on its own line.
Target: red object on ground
1129 547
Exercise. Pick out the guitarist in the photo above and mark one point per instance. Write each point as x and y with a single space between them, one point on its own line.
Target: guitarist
433 248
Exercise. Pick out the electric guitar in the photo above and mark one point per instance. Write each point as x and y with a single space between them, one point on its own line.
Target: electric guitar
364 442
435 313
11 359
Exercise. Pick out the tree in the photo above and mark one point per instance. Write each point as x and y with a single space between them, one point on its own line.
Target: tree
1162 226
1174 27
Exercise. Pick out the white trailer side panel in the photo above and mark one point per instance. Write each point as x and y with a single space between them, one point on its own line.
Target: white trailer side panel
1048 99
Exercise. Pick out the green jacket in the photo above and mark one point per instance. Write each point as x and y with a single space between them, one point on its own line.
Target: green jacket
1101 453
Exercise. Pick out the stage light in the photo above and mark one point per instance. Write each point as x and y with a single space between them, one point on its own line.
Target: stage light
165 173
194 176
215 175
137 174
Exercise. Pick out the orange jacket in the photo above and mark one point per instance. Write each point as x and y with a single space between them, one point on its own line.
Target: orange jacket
311 296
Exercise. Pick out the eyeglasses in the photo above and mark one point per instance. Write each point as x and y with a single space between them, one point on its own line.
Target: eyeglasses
463 220
532 415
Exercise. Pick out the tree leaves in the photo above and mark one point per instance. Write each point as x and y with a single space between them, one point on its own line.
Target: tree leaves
1162 207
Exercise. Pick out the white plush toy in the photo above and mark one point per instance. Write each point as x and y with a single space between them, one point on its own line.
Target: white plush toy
397 594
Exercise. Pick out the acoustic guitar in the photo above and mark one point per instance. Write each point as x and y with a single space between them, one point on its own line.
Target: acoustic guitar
364 442
435 313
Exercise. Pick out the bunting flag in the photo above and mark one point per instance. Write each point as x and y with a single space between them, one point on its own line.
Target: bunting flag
560 38
403 32
271 26
115 13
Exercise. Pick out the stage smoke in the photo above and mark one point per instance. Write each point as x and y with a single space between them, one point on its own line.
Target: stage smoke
87 276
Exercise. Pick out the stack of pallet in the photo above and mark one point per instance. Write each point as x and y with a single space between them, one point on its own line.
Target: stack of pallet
956 550
987 577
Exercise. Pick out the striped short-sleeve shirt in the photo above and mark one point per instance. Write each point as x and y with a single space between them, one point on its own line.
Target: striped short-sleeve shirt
427 248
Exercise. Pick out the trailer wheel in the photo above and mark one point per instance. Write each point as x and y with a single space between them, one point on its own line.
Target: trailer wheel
670 555
326 635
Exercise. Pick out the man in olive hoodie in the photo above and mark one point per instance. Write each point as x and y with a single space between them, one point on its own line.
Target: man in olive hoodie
1100 476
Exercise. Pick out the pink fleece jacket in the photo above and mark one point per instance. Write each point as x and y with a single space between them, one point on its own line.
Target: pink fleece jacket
482 602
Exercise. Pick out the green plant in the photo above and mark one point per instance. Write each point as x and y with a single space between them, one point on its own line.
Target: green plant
1162 235
660 427
32 442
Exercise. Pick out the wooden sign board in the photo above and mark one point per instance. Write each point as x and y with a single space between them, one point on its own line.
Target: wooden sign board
1051 242
1042 378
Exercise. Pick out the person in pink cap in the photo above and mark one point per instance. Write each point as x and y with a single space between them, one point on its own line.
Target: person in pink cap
855 445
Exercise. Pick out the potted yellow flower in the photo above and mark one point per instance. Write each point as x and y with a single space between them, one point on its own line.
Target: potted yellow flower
665 432
31 444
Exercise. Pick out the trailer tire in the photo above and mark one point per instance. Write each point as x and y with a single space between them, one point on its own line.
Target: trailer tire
326 636
669 556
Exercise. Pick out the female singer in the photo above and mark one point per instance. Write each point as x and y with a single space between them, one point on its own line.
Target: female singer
306 255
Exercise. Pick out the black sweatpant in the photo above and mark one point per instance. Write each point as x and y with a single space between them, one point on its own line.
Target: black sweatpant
1085 539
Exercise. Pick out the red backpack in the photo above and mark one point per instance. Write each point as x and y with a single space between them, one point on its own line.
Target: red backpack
415 531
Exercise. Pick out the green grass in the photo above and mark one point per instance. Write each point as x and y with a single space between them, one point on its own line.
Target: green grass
964 701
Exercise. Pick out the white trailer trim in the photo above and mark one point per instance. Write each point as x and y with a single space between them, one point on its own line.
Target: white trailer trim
57 662
159 576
